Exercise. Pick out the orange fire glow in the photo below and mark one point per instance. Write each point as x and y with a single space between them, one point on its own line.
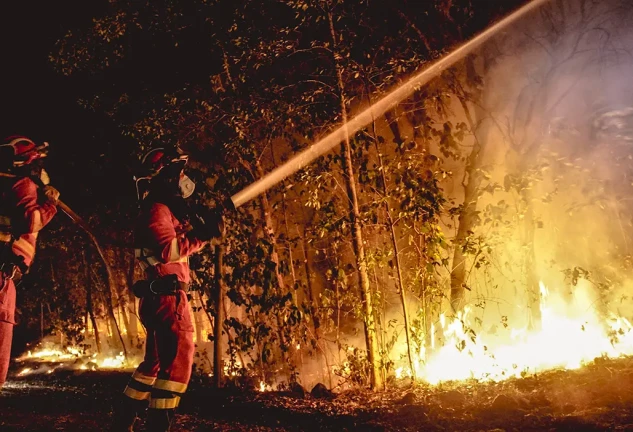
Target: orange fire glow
572 334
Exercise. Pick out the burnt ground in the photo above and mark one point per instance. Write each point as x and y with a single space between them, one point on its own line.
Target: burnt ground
598 397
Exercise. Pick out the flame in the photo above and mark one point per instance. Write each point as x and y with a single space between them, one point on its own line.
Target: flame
571 335
231 371
263 387
112 362
71 354
52 354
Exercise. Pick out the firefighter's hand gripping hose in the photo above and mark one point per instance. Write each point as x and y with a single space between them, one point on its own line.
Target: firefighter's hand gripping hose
207 223
51 194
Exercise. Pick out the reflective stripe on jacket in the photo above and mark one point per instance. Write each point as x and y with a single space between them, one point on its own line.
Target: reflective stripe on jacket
162 245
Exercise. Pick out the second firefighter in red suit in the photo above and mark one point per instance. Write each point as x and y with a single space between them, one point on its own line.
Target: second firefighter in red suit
164 241
25 208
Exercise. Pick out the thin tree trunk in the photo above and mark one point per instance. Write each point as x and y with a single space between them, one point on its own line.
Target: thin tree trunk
313 304
230 337
111 319
126 323
41 320
89 304
357 232
418 119
206 312
473 177
131 302
121 291
93 320
293 289
111 283
394 241
197 319
311 297
392 121
269 231
532 280
218 346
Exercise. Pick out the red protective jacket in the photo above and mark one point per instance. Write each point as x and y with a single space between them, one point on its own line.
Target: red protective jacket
163 243
24 213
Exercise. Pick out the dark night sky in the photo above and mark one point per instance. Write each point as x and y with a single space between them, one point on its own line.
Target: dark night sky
42 104
87 150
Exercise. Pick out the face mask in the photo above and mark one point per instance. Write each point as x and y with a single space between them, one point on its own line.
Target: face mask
186 186
44 177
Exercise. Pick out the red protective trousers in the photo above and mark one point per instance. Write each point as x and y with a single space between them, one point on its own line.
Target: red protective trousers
21 210
7 321
164 374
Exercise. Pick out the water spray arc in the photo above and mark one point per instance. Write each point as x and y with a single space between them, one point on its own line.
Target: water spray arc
377 109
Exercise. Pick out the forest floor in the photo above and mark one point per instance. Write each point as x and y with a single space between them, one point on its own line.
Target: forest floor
597 397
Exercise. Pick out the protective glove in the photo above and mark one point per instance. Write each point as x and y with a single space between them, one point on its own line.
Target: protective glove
207 223
227 206
51 194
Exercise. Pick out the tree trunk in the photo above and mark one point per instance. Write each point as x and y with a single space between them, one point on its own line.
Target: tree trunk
198 320
532 280
357 232
313 304
131 302
122 291
392 121
126 323
293 289
89 304
419 120
311 297
111 283
392 233
269 230
473 177
206 312
111 319
218 346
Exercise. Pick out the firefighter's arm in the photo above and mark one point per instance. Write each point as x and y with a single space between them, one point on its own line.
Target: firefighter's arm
34 215
173 246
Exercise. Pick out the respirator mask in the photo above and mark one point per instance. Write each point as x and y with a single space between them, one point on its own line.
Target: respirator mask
186 186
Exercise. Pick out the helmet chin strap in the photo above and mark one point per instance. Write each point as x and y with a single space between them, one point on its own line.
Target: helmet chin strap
46 180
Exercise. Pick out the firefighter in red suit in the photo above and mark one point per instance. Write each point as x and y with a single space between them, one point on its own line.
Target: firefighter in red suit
167 234
27 204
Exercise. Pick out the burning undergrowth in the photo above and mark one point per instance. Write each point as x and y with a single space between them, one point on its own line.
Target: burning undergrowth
572 334
597 397
49 358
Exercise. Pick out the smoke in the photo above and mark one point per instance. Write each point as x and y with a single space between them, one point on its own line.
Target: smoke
555 119
558 152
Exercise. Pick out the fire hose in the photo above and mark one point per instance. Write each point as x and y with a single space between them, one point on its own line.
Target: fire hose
77 220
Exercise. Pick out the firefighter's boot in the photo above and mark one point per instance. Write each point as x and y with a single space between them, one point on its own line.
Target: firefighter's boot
159 420
126 414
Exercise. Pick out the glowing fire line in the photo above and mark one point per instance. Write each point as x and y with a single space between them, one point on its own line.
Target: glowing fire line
570 335
59 358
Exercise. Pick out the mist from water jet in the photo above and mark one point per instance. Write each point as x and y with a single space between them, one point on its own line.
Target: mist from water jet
377 109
